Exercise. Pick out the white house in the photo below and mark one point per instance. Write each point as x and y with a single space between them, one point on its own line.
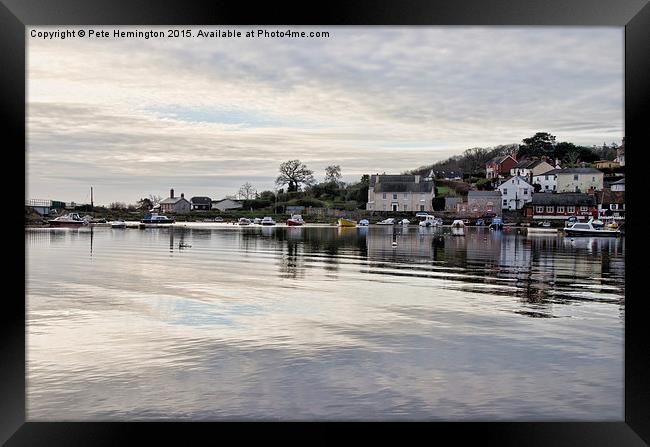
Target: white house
579 180
547 180
400 193
618 186
515 193
226 204
530 167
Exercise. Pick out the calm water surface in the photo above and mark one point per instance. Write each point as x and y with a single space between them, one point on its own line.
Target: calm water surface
216 322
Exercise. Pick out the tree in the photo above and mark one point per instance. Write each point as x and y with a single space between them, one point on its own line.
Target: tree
293 173
542 143
333 173
117 206
155 199
267 195
144 204
247 191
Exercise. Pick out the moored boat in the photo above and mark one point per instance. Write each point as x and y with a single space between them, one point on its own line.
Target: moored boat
345 222
458 224
156 219
118 224
405 222
244 221
68 220
588 229
267 221
295 221
257 221
430 221
364 222
389 221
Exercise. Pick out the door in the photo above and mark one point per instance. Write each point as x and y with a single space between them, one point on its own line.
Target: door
395 206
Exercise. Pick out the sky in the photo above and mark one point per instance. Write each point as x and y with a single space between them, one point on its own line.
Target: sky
133 117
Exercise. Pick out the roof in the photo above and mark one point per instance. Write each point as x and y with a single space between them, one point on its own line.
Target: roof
483 193
563 198
499 159
514 176
404 187
389 178
552 171
173 199
609 196
201 200
581 171
527 164
619 182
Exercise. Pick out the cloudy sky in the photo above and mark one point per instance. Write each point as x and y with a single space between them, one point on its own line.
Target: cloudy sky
134 117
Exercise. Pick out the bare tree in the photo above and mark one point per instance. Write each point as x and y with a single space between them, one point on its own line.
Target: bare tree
293 173
333 173
155 200
247 191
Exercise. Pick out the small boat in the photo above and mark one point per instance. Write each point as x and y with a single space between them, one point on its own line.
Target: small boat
364 222
267 221
345 222
480 222
458 228
546 224
244 221
68 220
612 226
156 219
496 224
118 224
218 219
597 223
256 221
430 221
458 224
295 221
389 221
405 222
588 229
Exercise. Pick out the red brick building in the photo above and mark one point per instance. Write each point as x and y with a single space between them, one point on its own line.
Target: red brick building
500 166
561 205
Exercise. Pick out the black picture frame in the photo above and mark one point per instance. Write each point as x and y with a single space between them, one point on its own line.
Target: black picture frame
15 15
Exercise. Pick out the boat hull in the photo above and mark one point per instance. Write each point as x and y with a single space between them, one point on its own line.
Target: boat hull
294 223
608 233
346 223
67 223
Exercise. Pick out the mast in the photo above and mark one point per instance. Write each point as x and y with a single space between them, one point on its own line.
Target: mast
92 206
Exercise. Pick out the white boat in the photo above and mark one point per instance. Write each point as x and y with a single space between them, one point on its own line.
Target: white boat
389 221
156 219
588 229
118 224
405 222
364 222
68 220
267 221
244 221
458 224
430 221
257 221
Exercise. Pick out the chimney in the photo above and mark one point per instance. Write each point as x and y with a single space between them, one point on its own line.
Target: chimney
514 155
171 193
557 163
182 195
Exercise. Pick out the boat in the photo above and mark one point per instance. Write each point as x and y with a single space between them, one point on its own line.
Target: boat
218 219
244 221
588 229
257 221
118 224
364 222
430 221
458 228
267 221
480 222
389 221
346 222
405 222
546 224
295 221
156 219
68 220
458 224
597 223
496 224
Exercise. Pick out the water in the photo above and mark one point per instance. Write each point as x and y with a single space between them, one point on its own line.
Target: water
220 322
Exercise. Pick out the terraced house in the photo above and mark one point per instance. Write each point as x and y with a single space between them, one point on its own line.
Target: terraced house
579 180
400 193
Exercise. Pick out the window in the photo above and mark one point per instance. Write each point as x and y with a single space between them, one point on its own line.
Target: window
546 177
525 191
593 179
560 209
575 177
570 209
613 206
549 209
539 209
505 202
404 207
505 191
384 195
394 196
421 207
406 195
584 209
545 186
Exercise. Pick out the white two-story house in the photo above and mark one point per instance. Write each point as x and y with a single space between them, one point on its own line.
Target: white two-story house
515 193
400 193
547 180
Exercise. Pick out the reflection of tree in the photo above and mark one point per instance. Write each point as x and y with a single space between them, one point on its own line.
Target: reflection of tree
291 264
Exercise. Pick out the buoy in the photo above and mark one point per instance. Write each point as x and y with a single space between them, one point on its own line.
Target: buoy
394 243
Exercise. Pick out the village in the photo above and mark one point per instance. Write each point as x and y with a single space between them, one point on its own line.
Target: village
528 190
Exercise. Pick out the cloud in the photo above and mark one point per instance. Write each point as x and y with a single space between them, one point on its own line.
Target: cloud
370 99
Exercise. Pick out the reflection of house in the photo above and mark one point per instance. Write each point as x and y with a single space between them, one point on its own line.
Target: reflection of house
173 204
611 203
201 203
400 193
482 202
226 204
546 180
561 205
579 180
515 193
530 167
618 185
500 166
